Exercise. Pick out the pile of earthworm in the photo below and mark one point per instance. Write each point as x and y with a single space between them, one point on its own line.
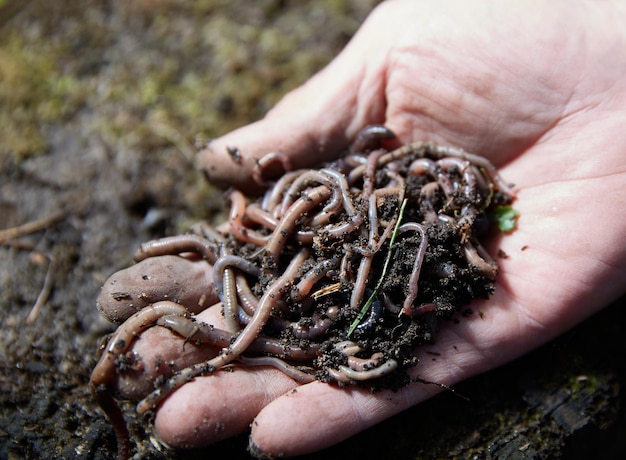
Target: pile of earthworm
336 273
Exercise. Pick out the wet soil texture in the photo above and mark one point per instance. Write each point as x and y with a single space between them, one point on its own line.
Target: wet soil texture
101 107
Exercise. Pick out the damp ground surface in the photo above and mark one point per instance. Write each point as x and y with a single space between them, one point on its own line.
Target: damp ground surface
101 107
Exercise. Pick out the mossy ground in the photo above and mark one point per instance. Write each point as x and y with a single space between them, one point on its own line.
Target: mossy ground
101 104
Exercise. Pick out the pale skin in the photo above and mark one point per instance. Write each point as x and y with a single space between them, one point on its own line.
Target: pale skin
538 88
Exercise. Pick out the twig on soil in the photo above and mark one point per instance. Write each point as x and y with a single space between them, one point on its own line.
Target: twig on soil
8 237
30 227
44 294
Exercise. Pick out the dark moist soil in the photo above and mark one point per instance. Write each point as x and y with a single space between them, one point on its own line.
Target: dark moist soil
100 105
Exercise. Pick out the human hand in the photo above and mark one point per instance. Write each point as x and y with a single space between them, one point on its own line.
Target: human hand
535 87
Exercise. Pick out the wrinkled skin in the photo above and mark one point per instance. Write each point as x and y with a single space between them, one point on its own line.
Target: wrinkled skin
535 86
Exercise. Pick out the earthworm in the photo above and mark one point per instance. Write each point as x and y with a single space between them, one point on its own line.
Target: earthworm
237 211
390 305
304 204
124 336
371 137
360 284
417 265
341 230
273 196
263 311
373 211
338 376
372 249
481 182
353 160
383 369
469 174
204 230
293 268
423 166
202 333
194 331
333 180
383 159
306 283
287 369
448 163
261 165
229 299
259 216
232 261
342 183
482 163
320 325
369 170
479 259
277 348
249 302
178 244
348 347
106 401
446 185
104 372
420 310
427 196
365 364
374 243
179 379
306 180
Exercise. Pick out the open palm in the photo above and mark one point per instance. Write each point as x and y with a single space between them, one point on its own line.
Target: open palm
538 88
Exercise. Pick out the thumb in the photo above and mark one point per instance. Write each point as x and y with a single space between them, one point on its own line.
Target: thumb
311 124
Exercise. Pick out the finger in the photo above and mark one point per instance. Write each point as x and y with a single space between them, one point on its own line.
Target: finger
312 123
218 406
154 279
159 352
326 416
318 415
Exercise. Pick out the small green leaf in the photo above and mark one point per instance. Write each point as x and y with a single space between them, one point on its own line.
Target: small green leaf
505 217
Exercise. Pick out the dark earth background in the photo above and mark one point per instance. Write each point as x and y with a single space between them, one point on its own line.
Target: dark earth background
102 105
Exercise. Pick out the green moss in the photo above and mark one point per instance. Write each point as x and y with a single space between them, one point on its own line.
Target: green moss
34 91
229 71
587 383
